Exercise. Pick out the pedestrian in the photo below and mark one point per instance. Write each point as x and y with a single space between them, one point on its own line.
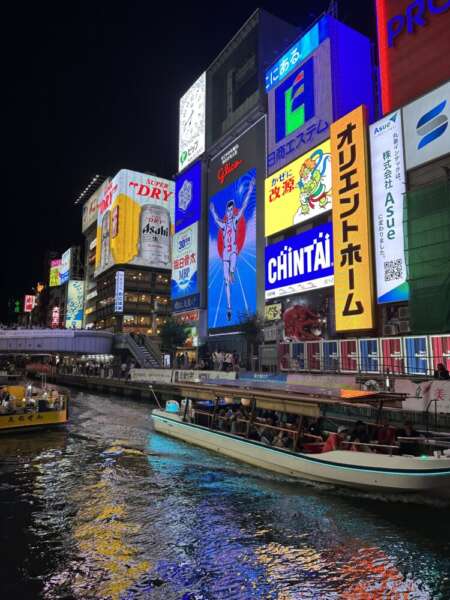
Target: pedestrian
441 372
123 369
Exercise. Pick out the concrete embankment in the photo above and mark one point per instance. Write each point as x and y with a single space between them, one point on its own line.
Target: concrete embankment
162 391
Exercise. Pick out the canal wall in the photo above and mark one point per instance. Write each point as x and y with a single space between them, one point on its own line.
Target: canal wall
161 390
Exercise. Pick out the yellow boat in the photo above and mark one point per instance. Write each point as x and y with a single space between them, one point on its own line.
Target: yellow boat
23 410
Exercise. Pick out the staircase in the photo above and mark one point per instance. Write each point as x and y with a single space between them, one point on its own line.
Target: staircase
144 354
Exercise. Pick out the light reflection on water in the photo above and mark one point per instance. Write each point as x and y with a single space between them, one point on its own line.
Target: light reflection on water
110 509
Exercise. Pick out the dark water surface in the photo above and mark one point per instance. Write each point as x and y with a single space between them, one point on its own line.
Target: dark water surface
109 509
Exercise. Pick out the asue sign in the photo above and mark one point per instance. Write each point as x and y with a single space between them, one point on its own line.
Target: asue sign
388 189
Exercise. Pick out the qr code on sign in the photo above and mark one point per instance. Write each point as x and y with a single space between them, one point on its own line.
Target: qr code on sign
393 269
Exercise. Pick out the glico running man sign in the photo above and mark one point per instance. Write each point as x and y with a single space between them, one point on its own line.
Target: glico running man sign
232 252
353 289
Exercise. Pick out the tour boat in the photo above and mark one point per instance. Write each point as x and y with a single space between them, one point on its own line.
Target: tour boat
371 471
30 410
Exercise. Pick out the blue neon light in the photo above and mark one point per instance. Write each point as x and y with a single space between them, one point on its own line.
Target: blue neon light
297 53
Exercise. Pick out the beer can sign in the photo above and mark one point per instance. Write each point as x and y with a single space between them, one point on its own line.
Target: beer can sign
154 242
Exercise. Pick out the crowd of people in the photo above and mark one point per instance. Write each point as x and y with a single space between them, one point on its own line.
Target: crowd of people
218 360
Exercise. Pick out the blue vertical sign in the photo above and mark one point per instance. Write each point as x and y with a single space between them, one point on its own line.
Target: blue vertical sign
118 300
188 187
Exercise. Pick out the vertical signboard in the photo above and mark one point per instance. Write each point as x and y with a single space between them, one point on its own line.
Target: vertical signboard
74 310
353 290
235 273
369 355
29 303
54 278
348 353
232 252
188 195
392 355
64 270
55 317
192 123
135 216
416 355
185 262
425 122
300 191
119 292
388 189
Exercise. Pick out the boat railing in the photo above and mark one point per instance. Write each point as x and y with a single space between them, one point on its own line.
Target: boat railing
371 446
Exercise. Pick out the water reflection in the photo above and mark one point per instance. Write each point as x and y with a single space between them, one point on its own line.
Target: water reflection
110 509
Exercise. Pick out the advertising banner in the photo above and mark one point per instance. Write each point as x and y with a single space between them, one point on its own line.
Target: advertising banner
185 262
55 317
369 355
300 109
440 350
273 312
64 270
301 263
74 310
90 208
300 191
348 352
388 189
135 216
413 45
29 303
54 278
353 290
313 355
119 293
191 142
298 350
330 355
232 252
186 303
188 196
425 123
392 355
416 355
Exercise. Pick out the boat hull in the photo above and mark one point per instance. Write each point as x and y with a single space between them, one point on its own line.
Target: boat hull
31 421
374 472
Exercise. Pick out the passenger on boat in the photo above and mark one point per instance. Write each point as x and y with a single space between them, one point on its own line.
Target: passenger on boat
408 431
317 427
385 434
267 434
334 440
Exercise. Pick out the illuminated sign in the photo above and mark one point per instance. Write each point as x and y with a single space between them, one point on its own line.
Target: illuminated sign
119 295
388 189
273 312
300 109
425 122
188 195
185 262
300 191
29 303
54 278
135 218
64 270
187 303
232 252
192 123
301 263
55 317
188 317
74 310
353 289
90 207
414 46
297 53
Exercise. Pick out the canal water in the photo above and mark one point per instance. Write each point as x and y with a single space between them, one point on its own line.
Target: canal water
110 509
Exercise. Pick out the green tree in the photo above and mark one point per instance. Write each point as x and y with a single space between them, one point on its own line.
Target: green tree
172 335
252 326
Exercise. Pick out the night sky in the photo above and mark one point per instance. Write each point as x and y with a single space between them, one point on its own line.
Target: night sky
93 87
